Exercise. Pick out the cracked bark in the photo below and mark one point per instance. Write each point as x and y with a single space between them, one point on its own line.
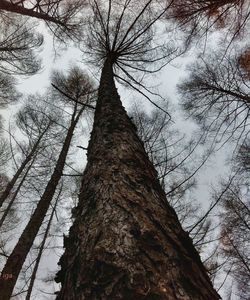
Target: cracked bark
126 241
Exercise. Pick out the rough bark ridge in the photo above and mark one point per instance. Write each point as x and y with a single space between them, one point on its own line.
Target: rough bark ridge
126 241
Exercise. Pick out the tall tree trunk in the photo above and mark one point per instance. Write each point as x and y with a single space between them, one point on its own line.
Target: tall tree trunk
19 171
13 198
41 248
17 258
126 241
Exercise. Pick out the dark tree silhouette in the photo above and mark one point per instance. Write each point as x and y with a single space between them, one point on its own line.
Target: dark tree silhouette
235 229
42 246
243 157
126 241
234 237
199 17
8 92
216 95
4 153
62 13
12 197
81 92
36 127
18 43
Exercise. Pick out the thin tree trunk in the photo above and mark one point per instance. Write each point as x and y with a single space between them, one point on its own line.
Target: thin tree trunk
17 258
11 184
41 248
6 211
126 241
17 8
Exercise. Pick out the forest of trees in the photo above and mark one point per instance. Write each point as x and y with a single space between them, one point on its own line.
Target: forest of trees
111 195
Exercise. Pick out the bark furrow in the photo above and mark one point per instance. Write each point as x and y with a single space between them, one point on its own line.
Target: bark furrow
126 241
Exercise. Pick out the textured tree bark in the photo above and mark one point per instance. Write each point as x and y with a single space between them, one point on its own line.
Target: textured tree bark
126 241
17 258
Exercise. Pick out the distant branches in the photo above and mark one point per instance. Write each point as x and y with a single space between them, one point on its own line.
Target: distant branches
17 45
8 91
200 17
173 157
76 82
243 157
4 153
74 88
32 148
235 237
216 95
62 13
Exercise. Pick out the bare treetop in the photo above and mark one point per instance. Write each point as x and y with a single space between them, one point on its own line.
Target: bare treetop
75 87
124 32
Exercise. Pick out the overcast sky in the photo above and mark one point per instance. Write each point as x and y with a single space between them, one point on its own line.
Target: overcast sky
167 81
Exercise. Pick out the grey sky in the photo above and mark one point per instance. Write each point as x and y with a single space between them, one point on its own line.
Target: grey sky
167 81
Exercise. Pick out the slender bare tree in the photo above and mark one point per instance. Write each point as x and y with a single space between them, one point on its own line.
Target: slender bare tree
42 246
81 94
36 128
235 235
